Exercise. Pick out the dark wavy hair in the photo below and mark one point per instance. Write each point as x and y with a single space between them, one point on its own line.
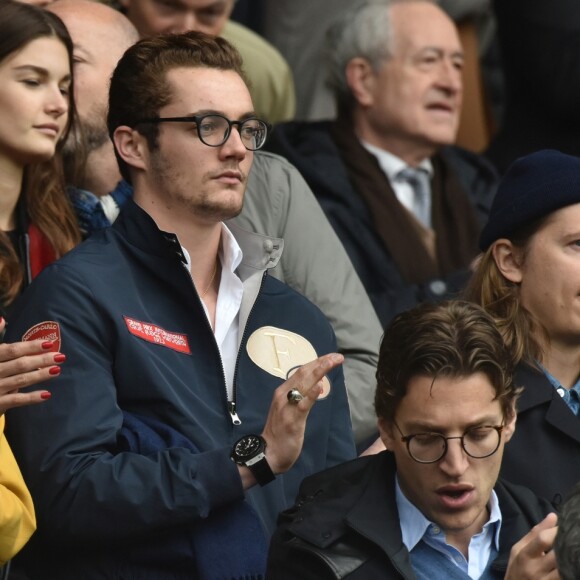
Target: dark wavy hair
43 189
449 339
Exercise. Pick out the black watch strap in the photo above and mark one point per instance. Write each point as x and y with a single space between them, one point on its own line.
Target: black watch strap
250 451
261 469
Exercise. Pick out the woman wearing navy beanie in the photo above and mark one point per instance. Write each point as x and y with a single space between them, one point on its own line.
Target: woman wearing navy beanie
528 278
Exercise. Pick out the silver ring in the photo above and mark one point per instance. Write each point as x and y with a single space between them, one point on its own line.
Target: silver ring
294 396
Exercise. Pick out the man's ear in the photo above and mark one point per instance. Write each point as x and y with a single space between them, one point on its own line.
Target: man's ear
386 433
510 425
508 260
131 146
360 78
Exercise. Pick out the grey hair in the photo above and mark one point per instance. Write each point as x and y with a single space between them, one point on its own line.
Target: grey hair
364 30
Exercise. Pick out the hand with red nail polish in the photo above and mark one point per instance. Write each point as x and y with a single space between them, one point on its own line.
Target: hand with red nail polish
24 364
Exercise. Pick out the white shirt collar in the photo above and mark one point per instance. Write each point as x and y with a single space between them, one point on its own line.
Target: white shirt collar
391 164
230 252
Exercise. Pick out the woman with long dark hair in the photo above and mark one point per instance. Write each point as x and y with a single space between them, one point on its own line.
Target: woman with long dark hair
37 223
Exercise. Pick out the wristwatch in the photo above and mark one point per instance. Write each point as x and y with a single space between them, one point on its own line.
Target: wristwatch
250 451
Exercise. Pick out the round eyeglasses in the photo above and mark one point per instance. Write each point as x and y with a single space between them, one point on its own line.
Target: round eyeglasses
214 130
479 442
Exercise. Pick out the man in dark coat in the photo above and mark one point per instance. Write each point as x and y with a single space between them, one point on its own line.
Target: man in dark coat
432 505
406 205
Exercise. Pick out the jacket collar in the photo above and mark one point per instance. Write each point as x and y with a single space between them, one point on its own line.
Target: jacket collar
539 391
260 252
375 514
359 495
515 523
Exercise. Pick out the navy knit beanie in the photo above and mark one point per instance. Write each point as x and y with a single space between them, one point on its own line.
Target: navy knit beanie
533 187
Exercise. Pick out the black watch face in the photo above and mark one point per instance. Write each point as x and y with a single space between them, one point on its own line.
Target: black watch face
247 446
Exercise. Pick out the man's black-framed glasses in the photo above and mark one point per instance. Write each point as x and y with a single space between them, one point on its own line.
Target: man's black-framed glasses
214 129
479 442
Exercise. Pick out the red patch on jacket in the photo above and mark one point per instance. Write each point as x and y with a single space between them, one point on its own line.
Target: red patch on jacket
157 335
47 330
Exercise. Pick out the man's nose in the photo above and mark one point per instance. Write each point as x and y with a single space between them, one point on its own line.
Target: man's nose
455 460
450 77
184 23
234 146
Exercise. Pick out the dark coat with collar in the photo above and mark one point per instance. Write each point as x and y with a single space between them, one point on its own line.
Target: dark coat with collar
544 453
310 147
345 524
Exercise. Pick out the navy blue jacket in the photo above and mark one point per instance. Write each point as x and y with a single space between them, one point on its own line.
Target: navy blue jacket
94 503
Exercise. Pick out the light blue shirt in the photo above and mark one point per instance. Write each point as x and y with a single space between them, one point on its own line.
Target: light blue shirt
416 527
570 396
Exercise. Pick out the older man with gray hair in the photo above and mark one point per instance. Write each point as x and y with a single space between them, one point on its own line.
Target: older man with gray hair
406 204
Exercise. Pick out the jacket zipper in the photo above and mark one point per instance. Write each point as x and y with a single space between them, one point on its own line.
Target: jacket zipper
232 404
215 345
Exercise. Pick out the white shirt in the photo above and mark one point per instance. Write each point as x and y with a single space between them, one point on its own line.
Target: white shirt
392 166
231 290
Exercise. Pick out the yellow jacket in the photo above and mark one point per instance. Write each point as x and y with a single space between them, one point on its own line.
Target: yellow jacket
17 519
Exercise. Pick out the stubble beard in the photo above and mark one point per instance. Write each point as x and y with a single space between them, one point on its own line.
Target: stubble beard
206 203
92 133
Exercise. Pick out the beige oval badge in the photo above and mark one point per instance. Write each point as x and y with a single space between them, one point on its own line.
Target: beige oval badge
278 351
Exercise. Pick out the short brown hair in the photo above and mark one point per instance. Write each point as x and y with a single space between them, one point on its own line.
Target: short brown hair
139 85
450 339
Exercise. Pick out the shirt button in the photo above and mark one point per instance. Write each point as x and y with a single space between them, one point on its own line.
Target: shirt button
458 559
435 530
561 391
268 245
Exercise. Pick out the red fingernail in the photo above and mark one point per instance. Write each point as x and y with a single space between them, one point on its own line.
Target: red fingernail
54 371
45 395
47 345
59 358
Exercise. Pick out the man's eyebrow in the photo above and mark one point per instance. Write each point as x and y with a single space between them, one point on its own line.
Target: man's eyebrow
202 112
425 427
80 49
441 51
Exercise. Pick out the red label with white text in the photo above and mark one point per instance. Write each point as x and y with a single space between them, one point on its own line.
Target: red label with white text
157 335
47 330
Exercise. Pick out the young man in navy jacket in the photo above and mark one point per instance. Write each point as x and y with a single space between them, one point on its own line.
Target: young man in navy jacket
171 408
